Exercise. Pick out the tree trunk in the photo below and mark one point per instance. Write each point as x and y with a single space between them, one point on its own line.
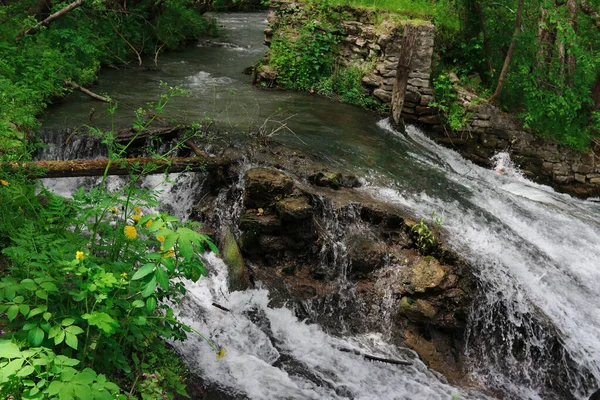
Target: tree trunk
407 48
588 10
52 17
546 38
511 50
72 168
572 8
88 92
486 45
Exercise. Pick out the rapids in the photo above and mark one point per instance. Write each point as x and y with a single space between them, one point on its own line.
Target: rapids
536 252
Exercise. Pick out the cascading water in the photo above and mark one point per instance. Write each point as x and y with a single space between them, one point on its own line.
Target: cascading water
534 328
536 252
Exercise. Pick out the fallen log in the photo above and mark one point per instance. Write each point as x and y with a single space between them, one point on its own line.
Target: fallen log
73 168
374 358
52 17
88 92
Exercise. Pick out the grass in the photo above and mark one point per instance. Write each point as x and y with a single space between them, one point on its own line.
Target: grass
443 13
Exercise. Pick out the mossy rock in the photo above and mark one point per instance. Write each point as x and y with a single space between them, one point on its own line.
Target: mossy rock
232 257
417 310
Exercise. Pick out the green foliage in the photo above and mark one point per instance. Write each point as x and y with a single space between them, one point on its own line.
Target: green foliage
90 285
344 84
303 56
453 113
33 68
541 89
424 236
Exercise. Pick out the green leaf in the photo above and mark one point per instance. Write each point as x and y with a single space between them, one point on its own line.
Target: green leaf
85 377
71 340
74 329
36 336
12 367
42 294
143 271
67 321
49 286
151 304
170 240
54 387
58 339
47 316
103 321
25 371
162 278
138 304
169 263
12 312
37 310
24 309
55 330
9 349
29 325
28 284
18 299
150 288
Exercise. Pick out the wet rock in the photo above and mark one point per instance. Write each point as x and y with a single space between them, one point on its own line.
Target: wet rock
418 310
260 223
230 253
365 256
267 73
330 179
294 208
427 274
265 186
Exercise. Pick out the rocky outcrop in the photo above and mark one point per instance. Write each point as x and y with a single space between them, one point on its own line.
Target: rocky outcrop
344 259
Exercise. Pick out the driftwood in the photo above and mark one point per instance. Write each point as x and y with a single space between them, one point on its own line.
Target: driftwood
374 358
52 17
220 307
88 92
407 48
127 134
72 168
197 150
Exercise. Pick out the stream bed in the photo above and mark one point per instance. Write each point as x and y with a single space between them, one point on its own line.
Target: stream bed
536 252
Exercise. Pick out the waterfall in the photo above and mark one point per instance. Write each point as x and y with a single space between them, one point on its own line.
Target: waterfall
536 253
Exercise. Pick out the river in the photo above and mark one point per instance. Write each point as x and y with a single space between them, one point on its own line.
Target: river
536 252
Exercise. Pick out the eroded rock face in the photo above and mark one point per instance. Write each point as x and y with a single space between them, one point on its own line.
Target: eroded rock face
347 261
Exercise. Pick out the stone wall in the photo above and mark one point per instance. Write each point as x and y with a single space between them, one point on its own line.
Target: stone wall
373 45
490 131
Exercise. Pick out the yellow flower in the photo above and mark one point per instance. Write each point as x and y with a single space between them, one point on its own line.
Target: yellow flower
136 217
114 210
170 253
79 255
124 275
3 182
221 354
137 210
130 232
160 238
149 223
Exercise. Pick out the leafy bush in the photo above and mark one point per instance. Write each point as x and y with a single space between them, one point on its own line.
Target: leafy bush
89 287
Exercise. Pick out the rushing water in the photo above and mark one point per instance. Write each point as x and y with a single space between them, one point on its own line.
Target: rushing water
536 252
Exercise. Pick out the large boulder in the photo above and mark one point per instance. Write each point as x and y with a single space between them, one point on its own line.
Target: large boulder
266 186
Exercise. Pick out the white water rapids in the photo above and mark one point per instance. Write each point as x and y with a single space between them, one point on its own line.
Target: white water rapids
536 253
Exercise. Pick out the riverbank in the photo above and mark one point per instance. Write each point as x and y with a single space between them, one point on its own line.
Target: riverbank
362 48
42 64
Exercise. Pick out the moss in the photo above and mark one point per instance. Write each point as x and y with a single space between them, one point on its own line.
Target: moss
232 257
